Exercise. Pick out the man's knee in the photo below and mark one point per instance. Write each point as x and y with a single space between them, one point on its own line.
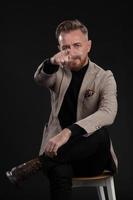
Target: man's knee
52 166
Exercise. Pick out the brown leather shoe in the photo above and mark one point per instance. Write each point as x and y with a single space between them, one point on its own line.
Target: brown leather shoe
21 172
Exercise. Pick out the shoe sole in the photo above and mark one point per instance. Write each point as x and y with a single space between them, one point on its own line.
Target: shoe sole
10 177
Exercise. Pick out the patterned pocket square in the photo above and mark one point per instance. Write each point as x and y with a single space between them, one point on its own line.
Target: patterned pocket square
89 93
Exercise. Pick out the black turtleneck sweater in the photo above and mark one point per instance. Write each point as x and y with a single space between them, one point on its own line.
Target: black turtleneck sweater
68 110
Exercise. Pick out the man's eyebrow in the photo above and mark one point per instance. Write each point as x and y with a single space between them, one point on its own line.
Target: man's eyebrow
66 46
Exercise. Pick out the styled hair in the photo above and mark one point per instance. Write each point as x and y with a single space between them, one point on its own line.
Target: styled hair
71 25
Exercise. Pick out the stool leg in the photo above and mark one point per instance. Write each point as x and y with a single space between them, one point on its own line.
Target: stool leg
111 189
101 193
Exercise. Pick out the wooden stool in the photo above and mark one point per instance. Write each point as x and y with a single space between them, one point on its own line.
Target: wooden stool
101 181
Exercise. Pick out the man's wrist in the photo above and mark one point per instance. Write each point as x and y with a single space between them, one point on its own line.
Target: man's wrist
68 132
48 67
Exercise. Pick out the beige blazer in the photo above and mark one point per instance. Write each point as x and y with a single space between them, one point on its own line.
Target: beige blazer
97 100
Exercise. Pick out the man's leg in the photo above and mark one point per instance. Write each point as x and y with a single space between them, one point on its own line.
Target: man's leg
76 150
79 157
84 148
60 179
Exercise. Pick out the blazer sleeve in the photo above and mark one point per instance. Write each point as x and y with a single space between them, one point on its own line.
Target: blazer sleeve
107 109
46 77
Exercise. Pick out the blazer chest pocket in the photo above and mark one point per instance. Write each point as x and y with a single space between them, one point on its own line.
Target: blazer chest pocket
91 99
89 93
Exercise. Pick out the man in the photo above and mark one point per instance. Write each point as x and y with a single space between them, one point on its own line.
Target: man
83 102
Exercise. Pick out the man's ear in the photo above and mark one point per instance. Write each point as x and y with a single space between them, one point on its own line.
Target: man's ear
89 45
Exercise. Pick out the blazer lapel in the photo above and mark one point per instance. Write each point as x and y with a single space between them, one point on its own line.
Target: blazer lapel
86 84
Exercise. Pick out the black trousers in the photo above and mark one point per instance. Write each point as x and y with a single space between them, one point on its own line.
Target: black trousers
80 156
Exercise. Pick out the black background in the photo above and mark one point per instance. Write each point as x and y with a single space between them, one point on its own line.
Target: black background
27 38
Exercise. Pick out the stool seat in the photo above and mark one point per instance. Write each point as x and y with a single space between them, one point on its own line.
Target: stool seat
103 180
102 176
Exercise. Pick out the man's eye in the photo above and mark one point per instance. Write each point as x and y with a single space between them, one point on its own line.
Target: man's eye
77 45
64 47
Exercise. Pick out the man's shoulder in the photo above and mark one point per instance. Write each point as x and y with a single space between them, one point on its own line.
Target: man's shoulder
100 71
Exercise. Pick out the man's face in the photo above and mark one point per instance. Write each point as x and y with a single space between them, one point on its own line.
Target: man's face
76 47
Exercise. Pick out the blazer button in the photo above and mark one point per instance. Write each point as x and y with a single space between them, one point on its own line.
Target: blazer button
98 127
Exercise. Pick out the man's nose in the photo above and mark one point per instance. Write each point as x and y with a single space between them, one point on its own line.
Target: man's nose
70 51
